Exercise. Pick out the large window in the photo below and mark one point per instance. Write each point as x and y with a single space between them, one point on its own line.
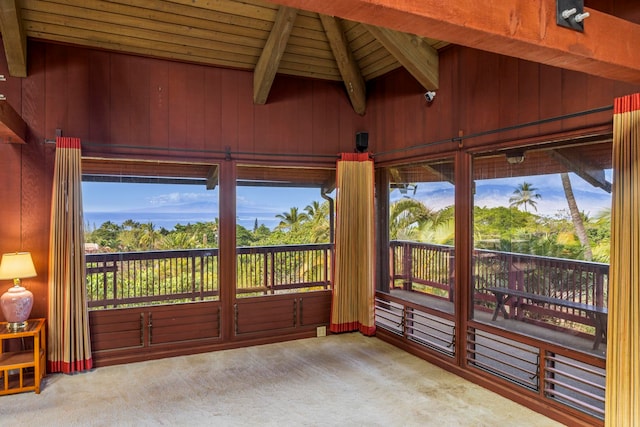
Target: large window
151 232
421 231
283 229
541 243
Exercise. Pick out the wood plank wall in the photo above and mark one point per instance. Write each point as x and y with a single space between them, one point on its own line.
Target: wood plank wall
479 92
191 112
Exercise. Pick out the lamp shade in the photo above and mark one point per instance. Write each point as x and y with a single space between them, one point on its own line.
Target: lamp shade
17 302
17 265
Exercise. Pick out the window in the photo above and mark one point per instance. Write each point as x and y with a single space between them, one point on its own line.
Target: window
422 231
541 242
150 232
283 229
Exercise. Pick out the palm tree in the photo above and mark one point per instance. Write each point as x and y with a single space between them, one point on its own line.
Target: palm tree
581 232
292 219
178 240
148 236
407 216
318 216
525 195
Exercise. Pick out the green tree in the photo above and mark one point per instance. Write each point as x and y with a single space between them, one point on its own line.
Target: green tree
525 195
291 220
106 236
148 236
318 221
178 240
407 217
261 233
243 236
576 217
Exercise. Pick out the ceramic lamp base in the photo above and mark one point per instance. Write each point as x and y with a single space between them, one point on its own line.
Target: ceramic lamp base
16 306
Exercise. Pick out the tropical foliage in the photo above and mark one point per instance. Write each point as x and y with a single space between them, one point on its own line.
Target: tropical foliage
503 228
295 227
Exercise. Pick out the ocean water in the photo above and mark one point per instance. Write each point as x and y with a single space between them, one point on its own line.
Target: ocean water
168 220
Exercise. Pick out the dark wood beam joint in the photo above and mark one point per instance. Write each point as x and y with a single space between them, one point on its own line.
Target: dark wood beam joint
575 164
349 70
274 48
12 128
13 37
212 178
525 30
413 52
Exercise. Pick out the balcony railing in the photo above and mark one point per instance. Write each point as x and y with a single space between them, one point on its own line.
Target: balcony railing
135 278
428 269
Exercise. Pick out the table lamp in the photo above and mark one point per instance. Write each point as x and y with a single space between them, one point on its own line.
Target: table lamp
17 302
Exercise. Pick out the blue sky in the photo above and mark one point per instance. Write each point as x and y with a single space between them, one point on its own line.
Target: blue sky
165 205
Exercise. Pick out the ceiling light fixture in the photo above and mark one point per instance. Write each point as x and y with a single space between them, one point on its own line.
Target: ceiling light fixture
514 157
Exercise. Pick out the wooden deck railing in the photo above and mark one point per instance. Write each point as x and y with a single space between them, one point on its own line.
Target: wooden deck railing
133 278
428 268
126 278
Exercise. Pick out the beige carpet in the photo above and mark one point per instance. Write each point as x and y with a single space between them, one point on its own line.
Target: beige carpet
339 380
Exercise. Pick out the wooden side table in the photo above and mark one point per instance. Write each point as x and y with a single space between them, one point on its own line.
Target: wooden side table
24 369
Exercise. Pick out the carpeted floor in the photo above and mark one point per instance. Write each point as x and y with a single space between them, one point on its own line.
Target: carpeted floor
339 380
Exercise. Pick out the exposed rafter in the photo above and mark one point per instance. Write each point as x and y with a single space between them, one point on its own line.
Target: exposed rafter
353 80
13 37
417 56
444 171
592 175
525 30
212 178
271 55
12 128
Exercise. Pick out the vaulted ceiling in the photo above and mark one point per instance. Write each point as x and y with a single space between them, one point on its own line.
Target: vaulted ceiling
352 41
247 35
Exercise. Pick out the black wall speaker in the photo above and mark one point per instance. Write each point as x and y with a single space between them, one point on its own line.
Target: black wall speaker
362 141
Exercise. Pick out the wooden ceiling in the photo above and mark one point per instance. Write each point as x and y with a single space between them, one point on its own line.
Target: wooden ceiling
249 35
352 41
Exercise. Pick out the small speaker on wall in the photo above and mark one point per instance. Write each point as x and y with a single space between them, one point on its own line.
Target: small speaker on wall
362 141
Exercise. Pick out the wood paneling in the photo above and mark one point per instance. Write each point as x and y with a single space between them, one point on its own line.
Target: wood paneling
142 333
183 322
486 92
126 329
116 329
271 314
315 308
122 104
265 314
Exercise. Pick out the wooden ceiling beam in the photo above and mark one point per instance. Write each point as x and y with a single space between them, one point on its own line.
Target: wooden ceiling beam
412 52
349 70
13 129
13 37
516 28
212 178
592 175
269 60
444 171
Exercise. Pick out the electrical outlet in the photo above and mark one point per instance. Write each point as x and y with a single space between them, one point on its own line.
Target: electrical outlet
321 331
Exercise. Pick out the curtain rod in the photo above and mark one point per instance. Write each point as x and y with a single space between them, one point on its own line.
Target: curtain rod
458 139
226 153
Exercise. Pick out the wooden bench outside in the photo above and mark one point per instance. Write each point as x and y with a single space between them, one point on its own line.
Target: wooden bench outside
597 314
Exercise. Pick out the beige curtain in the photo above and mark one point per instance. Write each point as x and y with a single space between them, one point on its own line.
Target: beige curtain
69 347
622 405
352 307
